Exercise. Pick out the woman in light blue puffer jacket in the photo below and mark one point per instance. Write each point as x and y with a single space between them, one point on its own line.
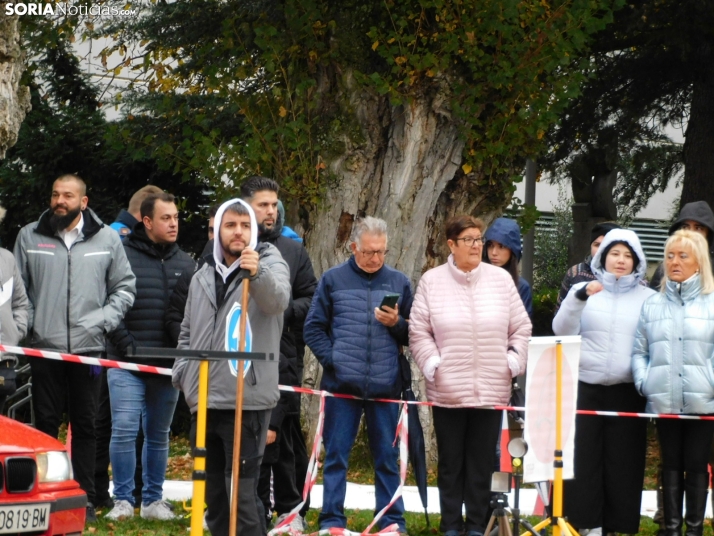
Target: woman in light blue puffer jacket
609 452
672 367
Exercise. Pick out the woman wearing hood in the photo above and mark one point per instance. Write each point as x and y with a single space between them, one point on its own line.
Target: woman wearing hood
609 451
672 367
503 248
696 216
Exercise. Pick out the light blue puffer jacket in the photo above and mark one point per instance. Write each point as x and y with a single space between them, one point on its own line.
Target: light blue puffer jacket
672 357
607 321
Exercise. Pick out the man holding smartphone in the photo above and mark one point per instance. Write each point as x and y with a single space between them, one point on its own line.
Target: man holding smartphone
356 338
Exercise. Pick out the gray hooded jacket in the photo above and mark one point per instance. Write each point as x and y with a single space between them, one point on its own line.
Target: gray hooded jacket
77 295
14 305
204 328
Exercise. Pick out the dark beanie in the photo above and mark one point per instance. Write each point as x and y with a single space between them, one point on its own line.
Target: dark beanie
603 255
602 228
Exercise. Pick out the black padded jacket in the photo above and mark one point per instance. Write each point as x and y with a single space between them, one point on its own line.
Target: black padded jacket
157 269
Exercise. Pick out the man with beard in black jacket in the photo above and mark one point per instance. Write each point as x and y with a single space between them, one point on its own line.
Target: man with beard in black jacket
158 262
286 454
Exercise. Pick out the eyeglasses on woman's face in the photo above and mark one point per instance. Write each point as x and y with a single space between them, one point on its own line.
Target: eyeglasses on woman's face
471 241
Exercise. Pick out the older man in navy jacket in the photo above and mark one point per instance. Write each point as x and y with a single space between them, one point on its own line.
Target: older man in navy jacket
358 343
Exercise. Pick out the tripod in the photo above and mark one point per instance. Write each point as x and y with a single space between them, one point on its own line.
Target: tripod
499 503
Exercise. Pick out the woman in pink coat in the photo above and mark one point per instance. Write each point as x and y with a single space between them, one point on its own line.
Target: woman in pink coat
469 335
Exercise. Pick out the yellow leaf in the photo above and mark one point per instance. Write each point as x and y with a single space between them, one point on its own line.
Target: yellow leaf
400 59
467 169
540 134
282 112
375 45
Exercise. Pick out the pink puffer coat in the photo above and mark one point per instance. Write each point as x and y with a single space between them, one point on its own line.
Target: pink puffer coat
472 321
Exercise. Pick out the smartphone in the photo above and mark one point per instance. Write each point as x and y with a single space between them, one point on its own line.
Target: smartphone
390 300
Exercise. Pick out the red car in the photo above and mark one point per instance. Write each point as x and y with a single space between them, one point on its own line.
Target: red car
37 493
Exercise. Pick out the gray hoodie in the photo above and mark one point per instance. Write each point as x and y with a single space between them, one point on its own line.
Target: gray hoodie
77 295
204 328
14 305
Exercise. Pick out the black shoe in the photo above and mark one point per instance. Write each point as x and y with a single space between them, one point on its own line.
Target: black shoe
91 514
105 503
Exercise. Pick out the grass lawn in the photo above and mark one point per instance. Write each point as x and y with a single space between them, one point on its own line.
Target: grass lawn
361 471
357 520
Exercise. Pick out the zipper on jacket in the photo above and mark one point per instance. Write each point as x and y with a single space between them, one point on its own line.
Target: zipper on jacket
370 315
69 284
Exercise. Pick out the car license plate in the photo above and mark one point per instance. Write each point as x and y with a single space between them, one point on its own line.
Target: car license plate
24 518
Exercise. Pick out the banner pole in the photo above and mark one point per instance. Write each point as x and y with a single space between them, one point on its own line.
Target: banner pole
558 461
199 453
235 476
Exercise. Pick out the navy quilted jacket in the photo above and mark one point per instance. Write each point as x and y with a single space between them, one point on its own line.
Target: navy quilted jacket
359 355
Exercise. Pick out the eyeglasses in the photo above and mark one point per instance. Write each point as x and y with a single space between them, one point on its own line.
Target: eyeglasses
378 253
469 241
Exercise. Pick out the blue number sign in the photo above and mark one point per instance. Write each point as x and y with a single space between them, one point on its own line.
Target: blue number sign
233 338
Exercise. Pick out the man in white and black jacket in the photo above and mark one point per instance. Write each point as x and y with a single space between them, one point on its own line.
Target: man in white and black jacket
80 285
286 454
158 262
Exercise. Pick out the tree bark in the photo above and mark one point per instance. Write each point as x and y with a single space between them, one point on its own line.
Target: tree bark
407 172
14 98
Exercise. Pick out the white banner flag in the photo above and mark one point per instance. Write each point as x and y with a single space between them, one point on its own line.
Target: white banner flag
539 429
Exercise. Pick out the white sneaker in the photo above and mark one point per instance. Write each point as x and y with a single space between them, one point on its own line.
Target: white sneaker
296 525
121 510
157 510
591 532
205 524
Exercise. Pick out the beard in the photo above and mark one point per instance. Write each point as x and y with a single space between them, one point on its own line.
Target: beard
61 222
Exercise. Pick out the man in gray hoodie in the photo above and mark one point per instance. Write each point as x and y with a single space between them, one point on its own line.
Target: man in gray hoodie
80 286
215 290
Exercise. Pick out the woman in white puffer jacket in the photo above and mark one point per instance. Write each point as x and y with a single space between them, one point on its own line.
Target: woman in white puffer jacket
609 451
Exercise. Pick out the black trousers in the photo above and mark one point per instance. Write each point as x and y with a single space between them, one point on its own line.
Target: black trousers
103 426
465 438
60 384
685 444
279 461
219 462
609 461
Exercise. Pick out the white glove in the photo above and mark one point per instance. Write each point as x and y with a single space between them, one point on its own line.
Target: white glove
430 367
513 365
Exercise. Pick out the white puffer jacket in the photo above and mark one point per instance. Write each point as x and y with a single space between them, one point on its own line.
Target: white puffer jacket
607 321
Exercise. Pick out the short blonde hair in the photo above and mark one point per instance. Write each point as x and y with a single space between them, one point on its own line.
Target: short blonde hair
699 247
140 196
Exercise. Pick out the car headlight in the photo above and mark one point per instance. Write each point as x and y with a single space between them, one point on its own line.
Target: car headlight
53 466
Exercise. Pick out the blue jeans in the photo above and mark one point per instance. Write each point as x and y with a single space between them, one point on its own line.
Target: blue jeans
151 401
340 430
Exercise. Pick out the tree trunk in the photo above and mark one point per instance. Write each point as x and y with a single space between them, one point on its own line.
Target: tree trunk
408 173
14 99
699 140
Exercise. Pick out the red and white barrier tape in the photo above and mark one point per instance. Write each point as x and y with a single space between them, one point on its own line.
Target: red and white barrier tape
84 360
110 363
